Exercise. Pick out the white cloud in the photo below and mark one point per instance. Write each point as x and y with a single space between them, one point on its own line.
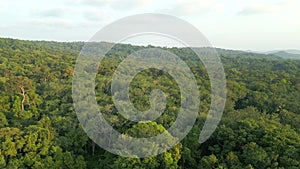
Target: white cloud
96 15
98 2
189 7
259 9
119 4
51 22
52 12
223 21
280 7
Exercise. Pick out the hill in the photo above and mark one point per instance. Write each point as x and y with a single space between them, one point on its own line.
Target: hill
287 55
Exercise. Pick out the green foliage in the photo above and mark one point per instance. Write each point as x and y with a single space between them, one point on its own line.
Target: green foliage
39 129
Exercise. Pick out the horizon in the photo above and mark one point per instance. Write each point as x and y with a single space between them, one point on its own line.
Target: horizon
128 43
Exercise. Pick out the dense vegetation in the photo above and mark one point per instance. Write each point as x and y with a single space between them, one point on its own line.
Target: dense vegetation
39 128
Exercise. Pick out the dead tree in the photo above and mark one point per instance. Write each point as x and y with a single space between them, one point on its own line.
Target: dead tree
23 92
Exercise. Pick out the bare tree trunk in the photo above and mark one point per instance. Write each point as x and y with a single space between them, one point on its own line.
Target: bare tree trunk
24 96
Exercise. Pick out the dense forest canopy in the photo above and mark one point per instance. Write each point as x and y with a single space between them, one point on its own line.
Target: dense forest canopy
260 127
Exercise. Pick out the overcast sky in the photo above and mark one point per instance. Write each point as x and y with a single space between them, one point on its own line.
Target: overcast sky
233 24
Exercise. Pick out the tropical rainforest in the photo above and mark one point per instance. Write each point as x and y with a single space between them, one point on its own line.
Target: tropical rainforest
39 128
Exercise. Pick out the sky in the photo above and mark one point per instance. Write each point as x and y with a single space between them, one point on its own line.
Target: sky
232 24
